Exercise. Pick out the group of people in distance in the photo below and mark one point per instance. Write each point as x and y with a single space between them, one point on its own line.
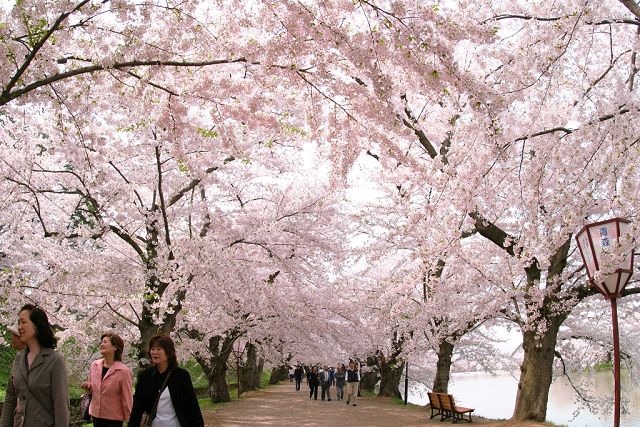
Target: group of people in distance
38 392
326 377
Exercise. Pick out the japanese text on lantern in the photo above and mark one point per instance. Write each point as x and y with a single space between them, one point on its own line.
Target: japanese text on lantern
605 243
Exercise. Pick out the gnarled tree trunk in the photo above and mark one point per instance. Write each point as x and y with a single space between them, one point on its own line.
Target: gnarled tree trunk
217 383
154 292
279 373
536 372
543 320
251 372
443 371
214 365
368 380
390 374
258 373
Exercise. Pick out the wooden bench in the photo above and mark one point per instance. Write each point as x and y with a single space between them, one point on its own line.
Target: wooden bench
434 404
446 407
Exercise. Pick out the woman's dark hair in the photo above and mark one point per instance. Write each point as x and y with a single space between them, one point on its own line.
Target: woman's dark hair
164 341
117 342
44 333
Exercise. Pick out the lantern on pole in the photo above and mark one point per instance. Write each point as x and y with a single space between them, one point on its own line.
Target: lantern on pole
609 271
238 350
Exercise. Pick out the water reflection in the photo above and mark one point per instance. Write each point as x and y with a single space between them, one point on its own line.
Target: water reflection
494 396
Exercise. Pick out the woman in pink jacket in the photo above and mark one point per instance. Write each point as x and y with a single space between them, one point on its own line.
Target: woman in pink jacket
110 384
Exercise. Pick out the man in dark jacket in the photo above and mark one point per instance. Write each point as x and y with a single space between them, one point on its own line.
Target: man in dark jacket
325 383
297 375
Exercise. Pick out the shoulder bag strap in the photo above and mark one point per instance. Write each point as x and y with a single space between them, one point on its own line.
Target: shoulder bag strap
26 382
152 414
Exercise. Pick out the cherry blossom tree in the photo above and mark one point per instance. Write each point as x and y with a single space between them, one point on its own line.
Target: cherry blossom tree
506 189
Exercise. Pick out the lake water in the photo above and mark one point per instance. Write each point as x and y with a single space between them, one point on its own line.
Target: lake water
493 396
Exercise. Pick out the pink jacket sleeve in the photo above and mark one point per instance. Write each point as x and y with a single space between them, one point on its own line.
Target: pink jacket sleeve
127 397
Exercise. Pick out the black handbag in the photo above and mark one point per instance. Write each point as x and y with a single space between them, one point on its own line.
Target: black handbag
85 401
147 417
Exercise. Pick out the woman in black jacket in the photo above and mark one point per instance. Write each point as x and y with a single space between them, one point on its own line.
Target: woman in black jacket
168 385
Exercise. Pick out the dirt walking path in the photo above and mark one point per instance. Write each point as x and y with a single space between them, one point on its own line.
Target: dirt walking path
281 405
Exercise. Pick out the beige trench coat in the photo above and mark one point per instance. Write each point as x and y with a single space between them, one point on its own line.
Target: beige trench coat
41 393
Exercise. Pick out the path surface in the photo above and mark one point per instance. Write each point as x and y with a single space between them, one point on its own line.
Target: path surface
281 405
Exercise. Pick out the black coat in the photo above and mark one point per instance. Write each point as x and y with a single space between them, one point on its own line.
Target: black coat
313 379
183 396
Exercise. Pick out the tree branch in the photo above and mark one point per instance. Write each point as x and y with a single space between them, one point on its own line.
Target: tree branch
122 316
176 197
127 181
8 96
163 209
6 92
412 124
623 110
558 18
150 83
493 233
633 8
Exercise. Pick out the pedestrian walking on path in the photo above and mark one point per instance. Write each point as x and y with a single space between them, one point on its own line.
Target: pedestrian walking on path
325 383
353 381
297 374
341 374
38 391
164 391
109 383
313 381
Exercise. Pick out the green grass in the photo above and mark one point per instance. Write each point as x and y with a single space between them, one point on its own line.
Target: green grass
198 378
7 354
206 404
367 393
264 381
605 366
75 391
400 401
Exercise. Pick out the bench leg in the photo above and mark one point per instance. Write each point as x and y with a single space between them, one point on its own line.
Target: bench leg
458 416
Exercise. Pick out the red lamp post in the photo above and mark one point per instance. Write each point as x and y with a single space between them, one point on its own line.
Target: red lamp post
609 274
238 350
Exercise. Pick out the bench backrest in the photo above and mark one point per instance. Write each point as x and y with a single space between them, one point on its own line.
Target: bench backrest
446 401
434 401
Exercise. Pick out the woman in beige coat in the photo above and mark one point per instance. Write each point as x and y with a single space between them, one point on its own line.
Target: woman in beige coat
38 394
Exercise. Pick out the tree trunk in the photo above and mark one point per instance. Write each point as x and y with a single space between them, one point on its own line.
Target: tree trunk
147 329
258 373
441 381
154 292
536 372
390 374
248 376
537 365
278 374
214 365
217 383
368 380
